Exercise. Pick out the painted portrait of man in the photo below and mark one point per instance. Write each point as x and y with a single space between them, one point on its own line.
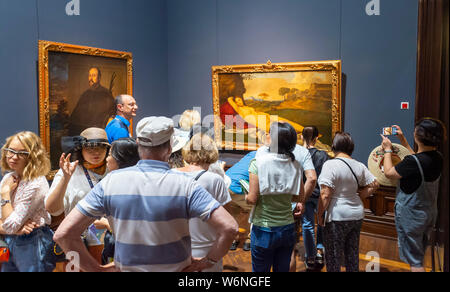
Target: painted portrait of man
81 90
95 106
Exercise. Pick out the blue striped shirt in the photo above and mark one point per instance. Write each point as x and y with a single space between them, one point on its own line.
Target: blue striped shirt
148 207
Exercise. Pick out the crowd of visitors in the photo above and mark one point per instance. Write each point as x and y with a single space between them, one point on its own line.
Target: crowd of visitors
162 201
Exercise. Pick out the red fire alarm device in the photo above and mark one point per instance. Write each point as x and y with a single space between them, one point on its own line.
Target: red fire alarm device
405 105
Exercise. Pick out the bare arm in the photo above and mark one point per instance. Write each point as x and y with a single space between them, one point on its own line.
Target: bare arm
310 184
403 140
300 208
325 198
27 228
253 192
227 229
9 185
55 201
68 237
233 104
2 231
389 169
368 190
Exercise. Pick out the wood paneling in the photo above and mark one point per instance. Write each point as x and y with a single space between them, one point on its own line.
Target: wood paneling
379 219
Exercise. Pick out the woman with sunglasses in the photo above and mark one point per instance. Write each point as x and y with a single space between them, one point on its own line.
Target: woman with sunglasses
24 220
80 171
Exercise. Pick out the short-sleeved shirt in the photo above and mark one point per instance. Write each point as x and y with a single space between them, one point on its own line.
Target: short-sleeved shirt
117 128
271 210
345 203
431 162
203 235
76 190
240 171
148 207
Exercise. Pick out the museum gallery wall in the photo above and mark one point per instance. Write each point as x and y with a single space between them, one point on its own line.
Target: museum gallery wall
175 43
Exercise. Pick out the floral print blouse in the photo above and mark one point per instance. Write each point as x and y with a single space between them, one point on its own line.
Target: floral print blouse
28 203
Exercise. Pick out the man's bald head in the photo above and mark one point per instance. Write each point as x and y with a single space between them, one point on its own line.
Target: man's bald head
126 106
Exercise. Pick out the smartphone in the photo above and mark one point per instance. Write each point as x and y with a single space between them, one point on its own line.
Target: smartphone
387 131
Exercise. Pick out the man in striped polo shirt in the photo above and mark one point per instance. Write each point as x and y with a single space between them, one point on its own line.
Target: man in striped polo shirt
149 207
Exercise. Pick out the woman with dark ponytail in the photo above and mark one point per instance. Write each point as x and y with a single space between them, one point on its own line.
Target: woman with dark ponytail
313 250
417 192
275 180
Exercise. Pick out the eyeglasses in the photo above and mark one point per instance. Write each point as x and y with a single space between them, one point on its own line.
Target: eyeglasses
9 153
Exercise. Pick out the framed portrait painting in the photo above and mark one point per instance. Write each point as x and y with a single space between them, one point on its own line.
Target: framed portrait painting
77 87
248 98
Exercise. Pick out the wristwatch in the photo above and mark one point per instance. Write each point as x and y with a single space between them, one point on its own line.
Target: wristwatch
388 151
4 202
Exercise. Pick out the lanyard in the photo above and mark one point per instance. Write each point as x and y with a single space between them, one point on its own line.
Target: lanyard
88 177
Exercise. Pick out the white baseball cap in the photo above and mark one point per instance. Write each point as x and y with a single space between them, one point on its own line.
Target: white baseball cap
154 131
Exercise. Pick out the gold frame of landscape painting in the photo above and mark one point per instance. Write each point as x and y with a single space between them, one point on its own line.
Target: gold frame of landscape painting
247 98
77 86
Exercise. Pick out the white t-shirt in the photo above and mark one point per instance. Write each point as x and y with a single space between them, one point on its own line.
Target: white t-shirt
77 188
345 204
301 154
203 235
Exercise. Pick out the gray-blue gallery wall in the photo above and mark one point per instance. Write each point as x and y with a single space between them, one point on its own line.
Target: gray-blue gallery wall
378 53
137 26
175 43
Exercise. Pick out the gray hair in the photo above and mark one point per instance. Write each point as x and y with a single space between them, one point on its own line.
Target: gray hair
148 151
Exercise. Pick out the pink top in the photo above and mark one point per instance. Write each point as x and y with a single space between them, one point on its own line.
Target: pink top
28 203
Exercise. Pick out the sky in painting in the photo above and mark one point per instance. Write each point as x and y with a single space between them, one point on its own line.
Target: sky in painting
269 89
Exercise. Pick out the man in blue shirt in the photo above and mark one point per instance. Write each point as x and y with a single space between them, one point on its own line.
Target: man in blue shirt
126 108
239 207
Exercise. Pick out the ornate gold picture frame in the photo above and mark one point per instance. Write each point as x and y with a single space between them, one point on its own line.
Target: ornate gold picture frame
77 86
247 98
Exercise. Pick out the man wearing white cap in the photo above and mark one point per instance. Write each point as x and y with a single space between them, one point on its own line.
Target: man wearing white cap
149 207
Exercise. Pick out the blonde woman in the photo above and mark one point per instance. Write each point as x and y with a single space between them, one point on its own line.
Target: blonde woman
24 220
188 119
200 153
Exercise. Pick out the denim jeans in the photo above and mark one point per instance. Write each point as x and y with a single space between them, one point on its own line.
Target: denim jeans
308 229
32 252
272 247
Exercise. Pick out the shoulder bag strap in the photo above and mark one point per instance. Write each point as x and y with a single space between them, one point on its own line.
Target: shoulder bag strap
199 175
314 153
350 170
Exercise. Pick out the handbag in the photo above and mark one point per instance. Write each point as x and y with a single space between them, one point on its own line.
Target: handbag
4 252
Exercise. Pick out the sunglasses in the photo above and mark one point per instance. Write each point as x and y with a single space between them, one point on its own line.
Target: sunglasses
9 153
91 147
